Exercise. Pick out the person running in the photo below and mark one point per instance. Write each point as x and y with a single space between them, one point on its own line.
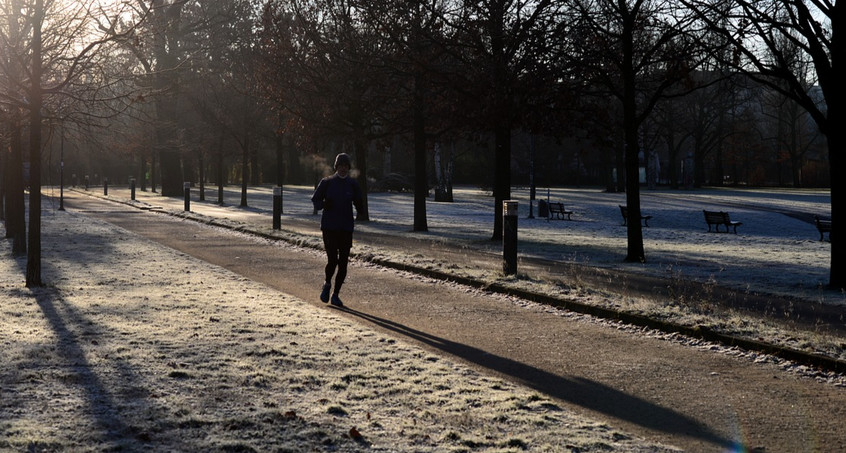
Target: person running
336 195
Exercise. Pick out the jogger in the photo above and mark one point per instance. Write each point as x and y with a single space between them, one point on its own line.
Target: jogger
336 195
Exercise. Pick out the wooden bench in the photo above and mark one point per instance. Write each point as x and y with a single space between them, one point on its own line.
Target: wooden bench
624 210
718 218
823 226
559 211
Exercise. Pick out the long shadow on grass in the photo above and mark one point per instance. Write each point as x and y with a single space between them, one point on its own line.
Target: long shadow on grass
582 392
101 407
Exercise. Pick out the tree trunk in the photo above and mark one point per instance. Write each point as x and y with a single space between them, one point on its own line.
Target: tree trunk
4 176
154 162
450 170
673 157
166 19
620 165
421 187
635 252
439 173
220 173
170 166
15 205
245 170
443 173
15 217
170 160
699 167
33 257
201 164
837 161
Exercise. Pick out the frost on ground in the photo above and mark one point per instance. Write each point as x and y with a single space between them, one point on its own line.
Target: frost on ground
776 251
136 347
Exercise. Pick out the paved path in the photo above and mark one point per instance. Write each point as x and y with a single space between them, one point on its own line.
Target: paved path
695 399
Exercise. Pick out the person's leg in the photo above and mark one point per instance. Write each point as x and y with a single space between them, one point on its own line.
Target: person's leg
330 244
344 246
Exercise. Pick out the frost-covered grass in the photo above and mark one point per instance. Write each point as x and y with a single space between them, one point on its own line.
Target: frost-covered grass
776 251
135 346
773 252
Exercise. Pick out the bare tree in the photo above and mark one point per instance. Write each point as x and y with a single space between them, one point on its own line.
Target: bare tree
638 51
422 53
757 31
412 46
318 66
12 99
789 126
222 92
674 130
57 56
504 45
175 33
713 112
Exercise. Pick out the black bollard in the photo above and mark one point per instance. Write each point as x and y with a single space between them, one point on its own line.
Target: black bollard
187 187
106 186
509 237
132 189
86 182
277 208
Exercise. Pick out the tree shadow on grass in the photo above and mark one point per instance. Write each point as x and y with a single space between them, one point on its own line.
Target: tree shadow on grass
69 327
585 393
74 335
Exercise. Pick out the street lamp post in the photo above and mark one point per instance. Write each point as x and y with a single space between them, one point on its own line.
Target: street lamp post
532 177
62 171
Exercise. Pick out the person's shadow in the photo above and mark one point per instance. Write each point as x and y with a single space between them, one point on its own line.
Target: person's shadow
579 391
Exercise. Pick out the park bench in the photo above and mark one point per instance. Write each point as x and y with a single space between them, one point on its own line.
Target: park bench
624 210
559 211
718 218
823 226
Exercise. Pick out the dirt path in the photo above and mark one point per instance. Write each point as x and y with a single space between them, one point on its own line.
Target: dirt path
694 398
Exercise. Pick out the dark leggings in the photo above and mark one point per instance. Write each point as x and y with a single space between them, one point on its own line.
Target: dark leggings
337 244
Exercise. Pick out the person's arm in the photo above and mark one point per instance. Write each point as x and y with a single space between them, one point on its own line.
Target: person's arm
319 196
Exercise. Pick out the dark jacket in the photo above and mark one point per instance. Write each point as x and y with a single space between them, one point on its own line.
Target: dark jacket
336 196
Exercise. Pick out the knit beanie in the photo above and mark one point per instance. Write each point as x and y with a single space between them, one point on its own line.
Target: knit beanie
342 158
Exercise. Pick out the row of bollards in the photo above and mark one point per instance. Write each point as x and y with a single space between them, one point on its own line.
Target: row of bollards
509 224
277 202
106 186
